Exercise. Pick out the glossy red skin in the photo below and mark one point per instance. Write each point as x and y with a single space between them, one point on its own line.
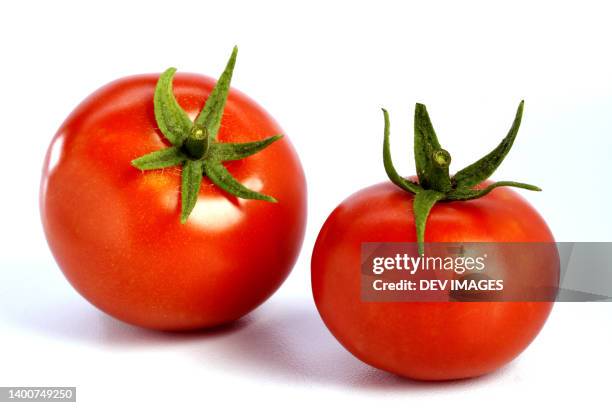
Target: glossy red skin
115 231
424 340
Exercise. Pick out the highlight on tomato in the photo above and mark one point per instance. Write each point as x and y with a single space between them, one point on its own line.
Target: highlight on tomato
430 340
172 201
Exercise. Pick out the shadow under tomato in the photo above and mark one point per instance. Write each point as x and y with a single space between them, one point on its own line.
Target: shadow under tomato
41 301
85 324
288 342
284 340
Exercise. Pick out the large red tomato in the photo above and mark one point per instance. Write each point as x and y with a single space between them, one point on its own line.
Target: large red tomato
428 340
116 231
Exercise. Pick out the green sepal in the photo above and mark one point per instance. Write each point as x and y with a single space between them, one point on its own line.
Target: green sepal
210 116
191 180
432 172
388 162
223 179
170 117
237 151
432 169
160 159
195 146
423 203
481 170
469 194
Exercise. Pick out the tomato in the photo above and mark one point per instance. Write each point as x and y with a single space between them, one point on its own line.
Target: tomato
115 231
434 340
424 340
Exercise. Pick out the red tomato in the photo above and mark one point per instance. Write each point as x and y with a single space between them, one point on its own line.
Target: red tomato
424 340
115 230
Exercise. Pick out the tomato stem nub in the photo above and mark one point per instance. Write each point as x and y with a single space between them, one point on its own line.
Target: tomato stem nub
432 163
442 158
194 144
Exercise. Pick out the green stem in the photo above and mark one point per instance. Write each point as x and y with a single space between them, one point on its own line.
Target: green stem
196 144
442 158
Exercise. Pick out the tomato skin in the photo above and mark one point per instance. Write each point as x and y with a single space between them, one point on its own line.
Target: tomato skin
424 340
115 231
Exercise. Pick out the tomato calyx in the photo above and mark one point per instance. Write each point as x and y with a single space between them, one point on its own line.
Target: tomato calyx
194 144
432 165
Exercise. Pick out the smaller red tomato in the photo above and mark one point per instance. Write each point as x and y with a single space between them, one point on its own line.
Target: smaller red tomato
431 340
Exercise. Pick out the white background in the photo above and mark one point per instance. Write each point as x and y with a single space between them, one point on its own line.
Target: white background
323 69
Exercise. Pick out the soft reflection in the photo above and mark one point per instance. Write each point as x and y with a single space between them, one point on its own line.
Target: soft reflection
217 213
55 152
